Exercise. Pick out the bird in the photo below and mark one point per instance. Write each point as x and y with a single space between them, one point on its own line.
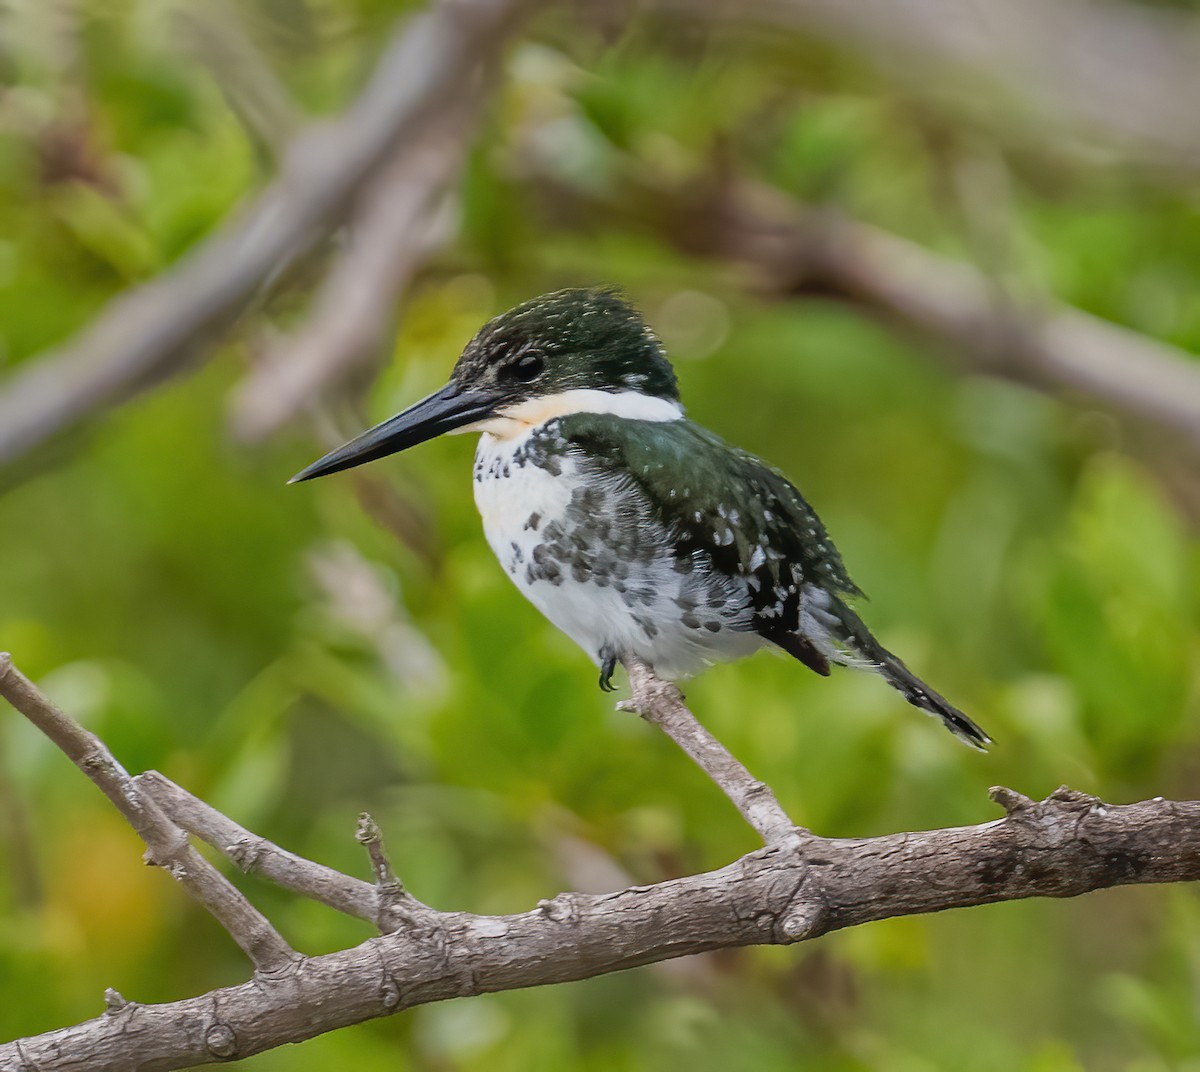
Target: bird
634 530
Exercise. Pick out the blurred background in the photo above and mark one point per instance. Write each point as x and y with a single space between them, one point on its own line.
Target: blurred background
939 266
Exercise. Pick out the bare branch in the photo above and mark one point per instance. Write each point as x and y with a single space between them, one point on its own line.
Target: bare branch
798 887
1127 72
1067 845
371 838
386 904
402 218
168 846
796 251
256 855
1055 347
155 329
662 703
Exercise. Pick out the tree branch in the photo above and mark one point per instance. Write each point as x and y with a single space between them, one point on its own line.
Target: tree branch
1051 346
150 331
167 845
796 251
794 889
1064 846
1125 72
256 855
662 703
402 217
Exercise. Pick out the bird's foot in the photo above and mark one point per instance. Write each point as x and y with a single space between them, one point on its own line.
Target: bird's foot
608 666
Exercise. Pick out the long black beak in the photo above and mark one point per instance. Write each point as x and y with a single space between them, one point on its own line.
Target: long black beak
442 411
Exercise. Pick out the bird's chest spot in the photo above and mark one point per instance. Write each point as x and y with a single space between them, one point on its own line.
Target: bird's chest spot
519 496
554 524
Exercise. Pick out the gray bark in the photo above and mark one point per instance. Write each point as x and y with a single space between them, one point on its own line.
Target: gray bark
1061 847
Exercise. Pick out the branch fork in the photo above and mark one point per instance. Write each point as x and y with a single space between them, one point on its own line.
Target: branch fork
796 887
166 844
397 908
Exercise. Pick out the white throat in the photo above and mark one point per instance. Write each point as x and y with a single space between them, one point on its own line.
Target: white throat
525 416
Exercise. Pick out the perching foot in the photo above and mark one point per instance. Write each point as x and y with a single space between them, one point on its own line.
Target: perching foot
608 666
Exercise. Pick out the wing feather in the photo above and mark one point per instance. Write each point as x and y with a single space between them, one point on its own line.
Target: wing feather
722 506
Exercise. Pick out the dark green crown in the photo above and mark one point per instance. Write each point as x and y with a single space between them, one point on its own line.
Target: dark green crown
568 340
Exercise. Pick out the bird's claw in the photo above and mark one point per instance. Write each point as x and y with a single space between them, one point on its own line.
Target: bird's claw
608 666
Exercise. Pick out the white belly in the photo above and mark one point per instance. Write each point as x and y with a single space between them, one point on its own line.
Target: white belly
603 582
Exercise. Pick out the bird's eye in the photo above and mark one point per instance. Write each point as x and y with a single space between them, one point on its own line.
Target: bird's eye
526 367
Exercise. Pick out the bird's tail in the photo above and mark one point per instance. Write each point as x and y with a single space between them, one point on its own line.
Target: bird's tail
867 652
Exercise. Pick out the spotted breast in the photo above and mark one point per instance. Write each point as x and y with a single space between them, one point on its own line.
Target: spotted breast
588 549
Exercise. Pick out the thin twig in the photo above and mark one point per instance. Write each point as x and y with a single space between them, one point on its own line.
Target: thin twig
384 903
662 703
168 845
396 908
256 855
371 838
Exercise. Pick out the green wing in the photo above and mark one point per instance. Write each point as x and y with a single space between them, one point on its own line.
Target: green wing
728 509
721 504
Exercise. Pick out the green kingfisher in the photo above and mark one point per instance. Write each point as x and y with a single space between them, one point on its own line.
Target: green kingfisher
634 530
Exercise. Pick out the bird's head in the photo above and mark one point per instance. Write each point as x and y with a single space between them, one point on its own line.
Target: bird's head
570 351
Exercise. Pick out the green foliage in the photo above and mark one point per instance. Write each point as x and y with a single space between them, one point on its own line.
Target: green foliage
275 651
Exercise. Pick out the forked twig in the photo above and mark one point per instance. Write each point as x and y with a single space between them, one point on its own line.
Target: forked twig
167 845
794 889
